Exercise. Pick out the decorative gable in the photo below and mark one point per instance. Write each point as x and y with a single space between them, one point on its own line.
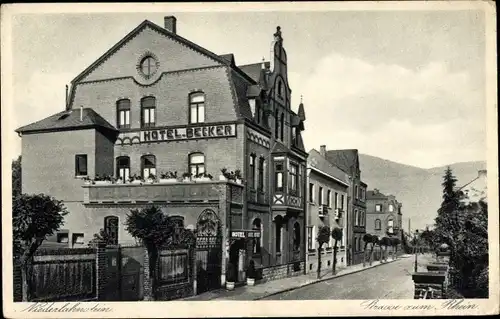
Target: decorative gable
145 55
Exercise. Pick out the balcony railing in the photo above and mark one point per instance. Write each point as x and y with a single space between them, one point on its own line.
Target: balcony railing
206 191
323 210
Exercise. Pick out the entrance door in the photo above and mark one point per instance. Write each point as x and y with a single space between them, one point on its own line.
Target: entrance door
112 290
208 251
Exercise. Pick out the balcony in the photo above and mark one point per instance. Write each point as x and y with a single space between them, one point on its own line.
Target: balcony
173 192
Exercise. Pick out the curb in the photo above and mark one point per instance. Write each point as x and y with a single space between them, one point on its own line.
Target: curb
324 279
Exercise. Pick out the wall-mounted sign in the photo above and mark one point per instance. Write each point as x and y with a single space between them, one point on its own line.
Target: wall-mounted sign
245 233
186 133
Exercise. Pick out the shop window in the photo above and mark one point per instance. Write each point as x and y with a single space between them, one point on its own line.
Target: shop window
296 236
378 224
197 107
123 168
196 164
148 111
81 165
148 165
111 229
261 174
293 178
123 113
257 225
279 177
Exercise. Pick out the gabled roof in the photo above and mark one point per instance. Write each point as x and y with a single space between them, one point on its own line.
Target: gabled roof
346 160
316 160
225 59
252 70
239 85
375 195
68 120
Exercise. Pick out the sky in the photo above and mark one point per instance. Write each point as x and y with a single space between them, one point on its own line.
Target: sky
407 86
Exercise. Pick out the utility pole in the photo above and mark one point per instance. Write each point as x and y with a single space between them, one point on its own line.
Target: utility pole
416 250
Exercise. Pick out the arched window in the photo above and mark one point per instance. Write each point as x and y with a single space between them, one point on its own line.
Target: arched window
390 226
378 224
123 113
111 229
280 89
197 107
296 236
148 111
196 163
148 166
257 225
123 168
282 125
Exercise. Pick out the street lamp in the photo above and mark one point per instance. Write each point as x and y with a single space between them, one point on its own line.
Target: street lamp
416 249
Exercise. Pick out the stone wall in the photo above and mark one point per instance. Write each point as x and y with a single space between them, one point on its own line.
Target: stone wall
282 271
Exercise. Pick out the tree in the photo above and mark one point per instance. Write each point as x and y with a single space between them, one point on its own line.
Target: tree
16 177
103 237
447 219
322 238
34 217
337 236
154 229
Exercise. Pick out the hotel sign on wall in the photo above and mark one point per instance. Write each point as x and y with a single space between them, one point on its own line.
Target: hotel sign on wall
188 133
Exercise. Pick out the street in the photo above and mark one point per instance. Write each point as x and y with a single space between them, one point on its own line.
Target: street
390 281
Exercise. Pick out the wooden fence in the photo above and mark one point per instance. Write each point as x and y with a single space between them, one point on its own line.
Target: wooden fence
60 275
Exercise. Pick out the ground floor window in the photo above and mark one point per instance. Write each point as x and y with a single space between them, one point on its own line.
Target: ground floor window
296 236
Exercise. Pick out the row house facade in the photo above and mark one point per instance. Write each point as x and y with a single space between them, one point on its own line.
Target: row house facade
157 105
348 161
326 206
384 215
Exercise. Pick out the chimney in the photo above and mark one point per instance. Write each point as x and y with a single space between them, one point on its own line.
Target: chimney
322 150
81 113
66 97
171 24
375 191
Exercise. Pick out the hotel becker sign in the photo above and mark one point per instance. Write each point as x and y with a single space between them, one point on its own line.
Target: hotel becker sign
187 133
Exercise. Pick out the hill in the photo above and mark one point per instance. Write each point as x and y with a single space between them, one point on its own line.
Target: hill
417 188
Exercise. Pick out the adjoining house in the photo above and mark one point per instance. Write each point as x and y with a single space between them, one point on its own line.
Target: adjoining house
384 217
475 190
348 161
327 204
154 121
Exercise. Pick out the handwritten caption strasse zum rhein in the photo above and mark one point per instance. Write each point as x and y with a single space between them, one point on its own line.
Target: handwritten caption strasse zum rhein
453 304
67 307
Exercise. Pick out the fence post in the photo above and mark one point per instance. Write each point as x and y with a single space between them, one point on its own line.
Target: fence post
148 293
101 264
194 271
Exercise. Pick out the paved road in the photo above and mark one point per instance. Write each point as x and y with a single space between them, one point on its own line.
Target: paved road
390 281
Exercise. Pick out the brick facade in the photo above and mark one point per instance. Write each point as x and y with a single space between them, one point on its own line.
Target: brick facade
379 214
90 127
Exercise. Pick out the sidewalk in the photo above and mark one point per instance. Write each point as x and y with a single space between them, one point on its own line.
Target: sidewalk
270 288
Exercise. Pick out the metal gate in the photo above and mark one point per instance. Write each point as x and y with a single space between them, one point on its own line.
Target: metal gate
125 273
208 251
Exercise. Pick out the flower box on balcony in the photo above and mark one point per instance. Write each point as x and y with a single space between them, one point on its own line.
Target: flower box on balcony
222 178
136 182
202 179
102 182
168 180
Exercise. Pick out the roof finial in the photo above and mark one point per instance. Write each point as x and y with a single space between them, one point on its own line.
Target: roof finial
301 99
277 35
263 64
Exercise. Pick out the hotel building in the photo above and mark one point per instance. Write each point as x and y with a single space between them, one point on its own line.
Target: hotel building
156 103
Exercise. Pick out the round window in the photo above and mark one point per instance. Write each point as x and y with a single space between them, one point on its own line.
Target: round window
148 66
